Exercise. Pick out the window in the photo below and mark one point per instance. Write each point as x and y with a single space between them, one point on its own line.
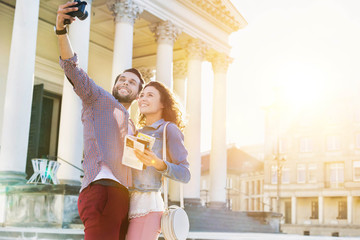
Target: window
301 173
342 210
336 174
314 210
333 143
287 212
312 173
356 169
285 178
273 174
305 144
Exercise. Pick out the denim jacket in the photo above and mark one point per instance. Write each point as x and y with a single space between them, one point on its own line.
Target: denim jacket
149 179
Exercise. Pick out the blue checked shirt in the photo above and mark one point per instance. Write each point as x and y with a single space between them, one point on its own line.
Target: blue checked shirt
105 123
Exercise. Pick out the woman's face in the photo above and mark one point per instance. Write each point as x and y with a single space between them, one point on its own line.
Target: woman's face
149 101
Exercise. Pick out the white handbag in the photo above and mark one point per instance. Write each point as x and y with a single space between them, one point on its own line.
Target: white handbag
174 221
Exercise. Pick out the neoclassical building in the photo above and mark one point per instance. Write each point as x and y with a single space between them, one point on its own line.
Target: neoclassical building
167 40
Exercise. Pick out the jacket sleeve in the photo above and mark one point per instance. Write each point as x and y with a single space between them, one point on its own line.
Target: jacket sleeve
83 86
177 164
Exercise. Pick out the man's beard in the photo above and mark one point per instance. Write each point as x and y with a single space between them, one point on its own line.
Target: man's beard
122 99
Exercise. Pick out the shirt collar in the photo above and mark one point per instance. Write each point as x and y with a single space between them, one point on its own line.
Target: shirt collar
157 124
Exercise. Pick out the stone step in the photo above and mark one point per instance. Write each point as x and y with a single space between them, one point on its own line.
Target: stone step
222 220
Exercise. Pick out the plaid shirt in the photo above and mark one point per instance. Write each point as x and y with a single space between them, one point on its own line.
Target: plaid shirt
105 123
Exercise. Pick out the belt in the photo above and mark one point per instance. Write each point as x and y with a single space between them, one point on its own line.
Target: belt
107 182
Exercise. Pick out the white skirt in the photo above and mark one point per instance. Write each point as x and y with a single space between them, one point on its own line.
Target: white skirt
141 203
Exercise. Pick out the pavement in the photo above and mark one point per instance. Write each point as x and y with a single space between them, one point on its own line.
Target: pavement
12 233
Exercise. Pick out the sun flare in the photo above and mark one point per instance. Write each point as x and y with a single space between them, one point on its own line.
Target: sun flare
301 85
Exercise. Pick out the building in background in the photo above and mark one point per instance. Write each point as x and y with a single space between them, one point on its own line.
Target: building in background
312 167
245 178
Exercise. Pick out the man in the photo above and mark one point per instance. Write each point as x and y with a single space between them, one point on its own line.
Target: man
104 199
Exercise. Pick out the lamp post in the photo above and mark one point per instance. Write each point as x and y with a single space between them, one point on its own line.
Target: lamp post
280 160
274 116
280 163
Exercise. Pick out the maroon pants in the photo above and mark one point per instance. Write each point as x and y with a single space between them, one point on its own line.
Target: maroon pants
104 212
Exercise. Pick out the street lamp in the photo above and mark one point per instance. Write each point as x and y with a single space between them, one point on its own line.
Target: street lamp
279 166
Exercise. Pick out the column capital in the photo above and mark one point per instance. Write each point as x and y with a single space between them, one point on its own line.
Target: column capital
165 32
220 62
147 73
180 69
124 10
196 49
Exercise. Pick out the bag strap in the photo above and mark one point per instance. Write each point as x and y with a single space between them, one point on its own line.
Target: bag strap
166 180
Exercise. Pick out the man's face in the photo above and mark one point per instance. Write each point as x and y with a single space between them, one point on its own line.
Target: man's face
126 88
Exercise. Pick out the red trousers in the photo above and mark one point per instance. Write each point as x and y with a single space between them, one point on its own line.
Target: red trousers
104 212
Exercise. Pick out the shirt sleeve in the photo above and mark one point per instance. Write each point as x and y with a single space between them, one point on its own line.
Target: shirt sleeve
177 164
83 86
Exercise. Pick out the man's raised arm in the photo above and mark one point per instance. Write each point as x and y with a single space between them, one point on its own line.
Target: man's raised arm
66 50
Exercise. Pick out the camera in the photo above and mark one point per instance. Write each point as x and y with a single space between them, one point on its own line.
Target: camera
80 13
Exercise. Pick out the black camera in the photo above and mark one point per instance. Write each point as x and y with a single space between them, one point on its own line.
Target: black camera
80 13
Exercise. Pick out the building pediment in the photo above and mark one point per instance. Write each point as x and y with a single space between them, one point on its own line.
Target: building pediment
221 10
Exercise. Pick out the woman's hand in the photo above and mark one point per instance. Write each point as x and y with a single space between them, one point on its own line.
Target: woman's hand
150 159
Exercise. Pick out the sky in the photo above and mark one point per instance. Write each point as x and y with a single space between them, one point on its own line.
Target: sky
310 49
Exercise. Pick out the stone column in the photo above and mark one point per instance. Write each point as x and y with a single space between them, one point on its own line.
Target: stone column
267 203
180 72
147 73
293 210
243 195
125 13
196 51
70 146
166 34
19 90
349 209
218 155
321 209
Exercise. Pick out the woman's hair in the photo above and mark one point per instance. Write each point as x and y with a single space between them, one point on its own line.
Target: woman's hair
172 109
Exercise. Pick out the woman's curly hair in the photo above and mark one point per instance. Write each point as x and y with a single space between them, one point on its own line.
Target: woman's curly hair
172 108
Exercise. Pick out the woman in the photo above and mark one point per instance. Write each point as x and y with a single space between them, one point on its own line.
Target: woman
157 106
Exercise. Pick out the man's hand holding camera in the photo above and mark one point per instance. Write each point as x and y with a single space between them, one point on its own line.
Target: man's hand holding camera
62 14
66 15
